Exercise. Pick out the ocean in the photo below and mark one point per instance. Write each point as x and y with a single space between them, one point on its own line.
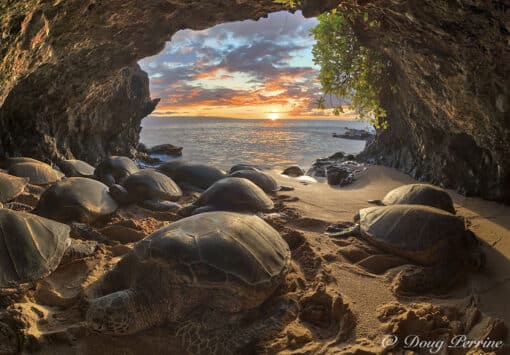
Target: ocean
271 144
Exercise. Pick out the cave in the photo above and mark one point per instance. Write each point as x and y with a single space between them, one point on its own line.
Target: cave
70 85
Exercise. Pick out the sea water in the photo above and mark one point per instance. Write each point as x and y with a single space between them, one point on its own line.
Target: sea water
272 144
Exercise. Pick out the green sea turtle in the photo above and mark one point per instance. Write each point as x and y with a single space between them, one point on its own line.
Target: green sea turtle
11 187
294 171
238 167
418 194
202 274
76 200
262 180
31 247
38 173
231 194
76 168
191 176
149 188
7 163
114 170
436 240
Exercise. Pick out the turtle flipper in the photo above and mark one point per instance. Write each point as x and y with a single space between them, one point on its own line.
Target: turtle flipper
204 337
342 230
120 313
159 205
376 202
204 209
423 279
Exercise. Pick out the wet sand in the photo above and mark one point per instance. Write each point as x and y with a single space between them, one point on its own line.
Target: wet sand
344 309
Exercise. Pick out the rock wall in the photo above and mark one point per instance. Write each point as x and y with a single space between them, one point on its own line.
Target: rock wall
70 85
450 118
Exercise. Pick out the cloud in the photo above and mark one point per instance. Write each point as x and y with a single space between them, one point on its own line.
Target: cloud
239 67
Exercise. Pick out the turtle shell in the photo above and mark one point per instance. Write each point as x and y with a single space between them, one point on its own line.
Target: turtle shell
423 234
262 180
235 194
118 167
219 250
420 194
76 199
238 167
11 186
198 175
148 184
38 173
31 247
7 163
76 168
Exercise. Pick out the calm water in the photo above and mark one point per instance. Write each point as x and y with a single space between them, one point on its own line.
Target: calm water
225 142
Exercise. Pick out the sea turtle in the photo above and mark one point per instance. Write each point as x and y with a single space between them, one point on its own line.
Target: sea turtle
76 168
31 247
151 189
11 187
231 194
238 167
262 180
191 176
76 200
294 171
7 163
418 194
114 170
435 239
202 273
38 173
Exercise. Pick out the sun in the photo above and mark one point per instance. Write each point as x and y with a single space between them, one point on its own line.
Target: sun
273 116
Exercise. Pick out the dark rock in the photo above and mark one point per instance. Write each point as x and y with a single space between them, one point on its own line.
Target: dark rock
351 133
338 175
293 171
167 149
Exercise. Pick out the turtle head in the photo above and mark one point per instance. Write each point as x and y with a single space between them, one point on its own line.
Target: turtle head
120 194
114 314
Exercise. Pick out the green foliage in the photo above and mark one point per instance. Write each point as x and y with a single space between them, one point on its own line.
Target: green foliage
348 69
289 3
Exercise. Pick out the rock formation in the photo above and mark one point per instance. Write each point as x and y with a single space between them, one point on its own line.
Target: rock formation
70 86
449 121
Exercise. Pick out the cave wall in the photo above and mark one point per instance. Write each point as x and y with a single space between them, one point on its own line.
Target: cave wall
449 121
70 85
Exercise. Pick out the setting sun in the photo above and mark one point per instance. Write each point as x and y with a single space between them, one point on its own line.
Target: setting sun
273 116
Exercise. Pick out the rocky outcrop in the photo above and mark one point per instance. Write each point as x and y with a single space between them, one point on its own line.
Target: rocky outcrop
449 121
70 86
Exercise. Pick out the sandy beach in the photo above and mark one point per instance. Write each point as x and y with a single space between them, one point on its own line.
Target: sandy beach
344 309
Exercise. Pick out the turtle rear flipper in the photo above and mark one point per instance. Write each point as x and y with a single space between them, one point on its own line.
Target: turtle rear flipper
423 279
205 337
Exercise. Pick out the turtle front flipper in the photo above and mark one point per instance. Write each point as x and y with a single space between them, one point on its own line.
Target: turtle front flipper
122 313
205 337
160 205
376 202
427 279
343 230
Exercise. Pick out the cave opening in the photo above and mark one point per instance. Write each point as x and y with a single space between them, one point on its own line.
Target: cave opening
244 92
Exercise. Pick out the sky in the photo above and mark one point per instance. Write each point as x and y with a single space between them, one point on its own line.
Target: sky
248 69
